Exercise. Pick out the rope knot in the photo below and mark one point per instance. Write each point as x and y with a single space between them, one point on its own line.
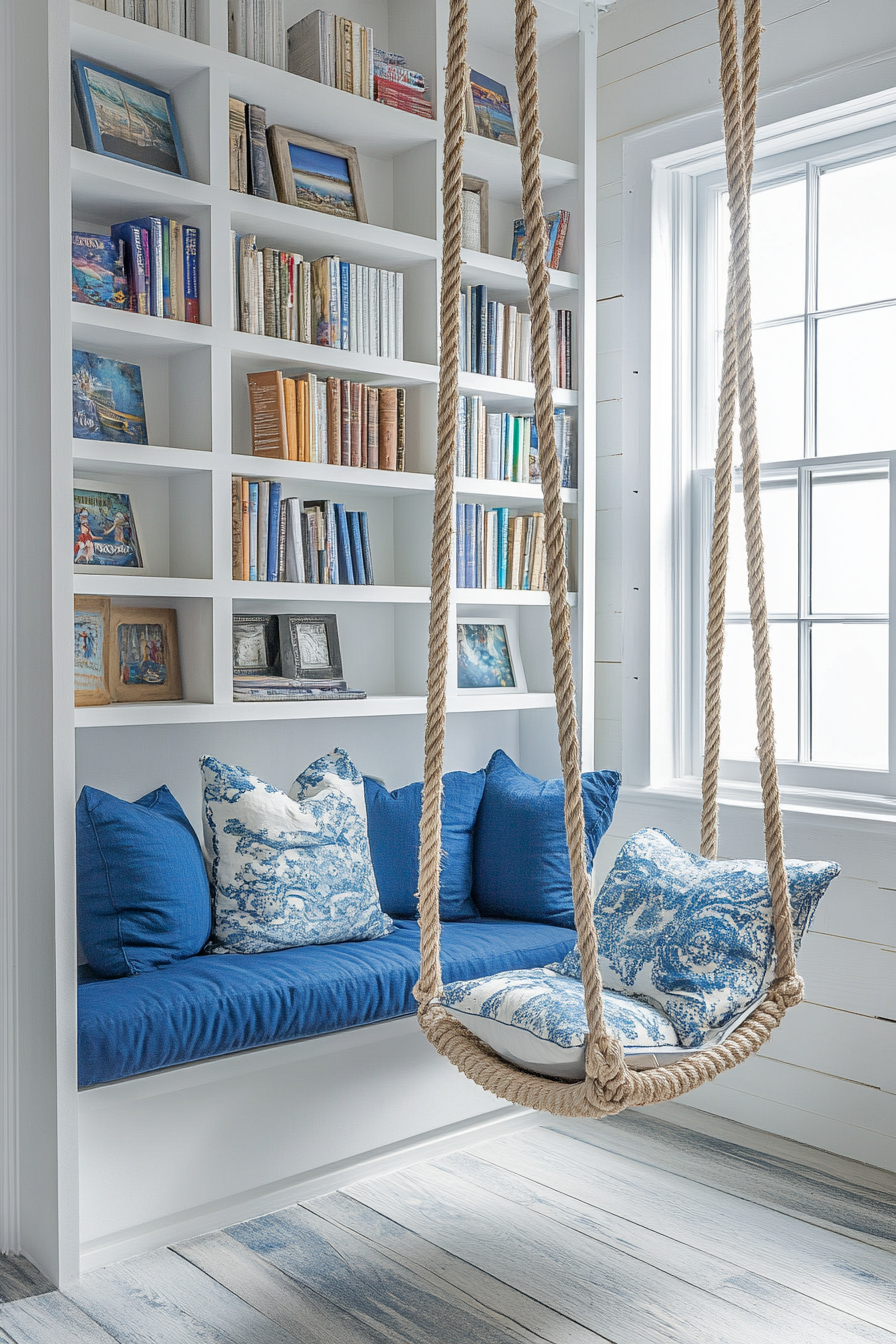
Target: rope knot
605 1065
788 991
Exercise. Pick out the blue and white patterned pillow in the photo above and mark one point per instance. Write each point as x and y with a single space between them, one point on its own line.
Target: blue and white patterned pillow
536 1019
692 935
336 770
289 872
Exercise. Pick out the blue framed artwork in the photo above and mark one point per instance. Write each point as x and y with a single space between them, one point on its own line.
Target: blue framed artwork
125 118
107 400
488 656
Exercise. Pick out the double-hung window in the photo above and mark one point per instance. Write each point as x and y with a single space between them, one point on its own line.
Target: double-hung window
824 312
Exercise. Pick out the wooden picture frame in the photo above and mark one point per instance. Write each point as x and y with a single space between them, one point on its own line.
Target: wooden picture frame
479 187
144 657
304 632
488 655
91 650
338 192
110 103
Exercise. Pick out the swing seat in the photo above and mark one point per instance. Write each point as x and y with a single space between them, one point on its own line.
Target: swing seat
686 953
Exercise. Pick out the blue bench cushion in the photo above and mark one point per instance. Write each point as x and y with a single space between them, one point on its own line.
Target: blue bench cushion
209 1006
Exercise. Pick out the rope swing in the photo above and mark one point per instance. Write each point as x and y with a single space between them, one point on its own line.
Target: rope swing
609 1085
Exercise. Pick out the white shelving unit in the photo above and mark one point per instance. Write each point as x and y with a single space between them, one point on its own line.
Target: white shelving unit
197 414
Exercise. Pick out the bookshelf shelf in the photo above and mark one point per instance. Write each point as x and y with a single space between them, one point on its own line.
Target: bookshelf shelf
290 226
500 166
393 484
508 393
475 489
108 184
505 597
134 334
127 586
345 363
508 278
323 593
93 455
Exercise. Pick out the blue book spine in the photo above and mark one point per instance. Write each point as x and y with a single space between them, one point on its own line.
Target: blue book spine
479 522
460 557
482 333
365 547
343 546
191 272
345 301
469 546
166 268
273 530
332 544
253 531
357 546
130 236
492 340
502 528
464 333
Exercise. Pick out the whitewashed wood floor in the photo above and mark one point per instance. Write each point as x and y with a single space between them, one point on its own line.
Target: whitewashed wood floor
631 1230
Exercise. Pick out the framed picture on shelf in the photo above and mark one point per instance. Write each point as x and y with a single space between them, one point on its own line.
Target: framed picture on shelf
107 400
105 532
474 222
145 663
256 645
488 109
125 118
316 174
92 651
488 656
309 647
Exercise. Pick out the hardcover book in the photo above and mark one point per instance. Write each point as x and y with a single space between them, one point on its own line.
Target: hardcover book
107 400
104 531
97 271
488 109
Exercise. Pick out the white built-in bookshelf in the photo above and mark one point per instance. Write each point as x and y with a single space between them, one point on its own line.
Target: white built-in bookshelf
194 379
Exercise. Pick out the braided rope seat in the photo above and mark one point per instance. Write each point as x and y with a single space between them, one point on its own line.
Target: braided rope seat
609 1085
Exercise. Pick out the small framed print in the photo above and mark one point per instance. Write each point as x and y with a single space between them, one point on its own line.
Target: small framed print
92 651
145 664
125 118
309 647
316 174
474 222
256 646
488 656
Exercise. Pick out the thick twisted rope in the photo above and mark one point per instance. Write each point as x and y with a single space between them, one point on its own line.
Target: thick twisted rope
609 1085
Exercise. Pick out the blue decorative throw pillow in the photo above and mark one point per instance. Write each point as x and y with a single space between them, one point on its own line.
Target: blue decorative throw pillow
289 872
143 897
393 827
694 936
520 859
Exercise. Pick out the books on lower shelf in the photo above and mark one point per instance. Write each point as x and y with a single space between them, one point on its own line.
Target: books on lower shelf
557 224
327 301
255 29
496 339
277 539
327 420
496 446
148 265
497 550
172 16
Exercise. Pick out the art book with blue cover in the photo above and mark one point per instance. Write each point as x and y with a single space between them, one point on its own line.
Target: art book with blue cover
105 534
107 400
97 271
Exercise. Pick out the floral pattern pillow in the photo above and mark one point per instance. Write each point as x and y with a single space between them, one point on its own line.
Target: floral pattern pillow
537 1019
289 872
692 935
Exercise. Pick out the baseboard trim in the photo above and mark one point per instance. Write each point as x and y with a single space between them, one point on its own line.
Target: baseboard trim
307 1185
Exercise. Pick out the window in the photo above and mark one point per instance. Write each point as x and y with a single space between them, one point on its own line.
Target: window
824 310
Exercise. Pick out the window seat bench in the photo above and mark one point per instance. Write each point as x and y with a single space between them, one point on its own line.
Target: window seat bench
208 1006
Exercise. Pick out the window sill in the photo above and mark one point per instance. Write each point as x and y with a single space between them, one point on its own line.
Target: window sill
850 809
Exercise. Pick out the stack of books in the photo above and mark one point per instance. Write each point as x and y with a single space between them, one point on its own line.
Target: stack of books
327 420
172 16
495 550
255 29
258 690
496 446
398 86
557 225
496 339
323 302
281 540
332 50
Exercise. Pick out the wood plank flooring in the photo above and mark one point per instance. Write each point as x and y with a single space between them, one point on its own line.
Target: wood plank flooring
633 1230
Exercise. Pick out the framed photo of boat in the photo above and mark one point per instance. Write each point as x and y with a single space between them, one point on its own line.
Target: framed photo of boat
125 118
107 400
143 655
316 174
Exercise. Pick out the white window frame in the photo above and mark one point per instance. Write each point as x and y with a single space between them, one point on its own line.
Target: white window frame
662 689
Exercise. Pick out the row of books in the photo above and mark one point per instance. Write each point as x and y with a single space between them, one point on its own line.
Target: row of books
250 159
277 540
255 28
339 52
495 550
327 420
496 446
496 339
172 16
557 224
148 265
324 302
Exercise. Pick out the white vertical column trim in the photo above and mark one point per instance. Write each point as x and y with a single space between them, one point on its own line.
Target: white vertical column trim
587 374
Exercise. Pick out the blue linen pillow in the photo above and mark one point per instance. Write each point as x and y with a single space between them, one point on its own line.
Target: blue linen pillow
143 894
289 871
691 935
393 828
520 859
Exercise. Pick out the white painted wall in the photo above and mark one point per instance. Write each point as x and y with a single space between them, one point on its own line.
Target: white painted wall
827 1077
